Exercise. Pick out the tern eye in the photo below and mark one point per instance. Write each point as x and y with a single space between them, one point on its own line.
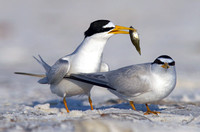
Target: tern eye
107 29
157 61
172 63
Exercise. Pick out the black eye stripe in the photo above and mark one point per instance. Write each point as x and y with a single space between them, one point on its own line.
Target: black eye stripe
106 29
157 61
172 63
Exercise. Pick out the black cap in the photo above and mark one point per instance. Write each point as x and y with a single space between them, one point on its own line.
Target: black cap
158 61
97 27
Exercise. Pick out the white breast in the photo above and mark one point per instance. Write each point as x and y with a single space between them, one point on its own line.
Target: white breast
162 85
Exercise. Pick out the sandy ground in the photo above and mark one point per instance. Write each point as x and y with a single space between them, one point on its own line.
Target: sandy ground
54 29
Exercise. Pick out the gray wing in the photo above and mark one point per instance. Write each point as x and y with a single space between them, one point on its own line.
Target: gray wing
57 72
98 79
130 81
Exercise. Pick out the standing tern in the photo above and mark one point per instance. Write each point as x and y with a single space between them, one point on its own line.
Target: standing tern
141 83
87 58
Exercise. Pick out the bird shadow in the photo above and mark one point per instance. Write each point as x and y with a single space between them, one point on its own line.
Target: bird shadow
127 106
75 104
72 104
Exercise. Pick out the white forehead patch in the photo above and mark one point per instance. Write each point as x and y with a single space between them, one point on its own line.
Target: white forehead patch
109 25
167 60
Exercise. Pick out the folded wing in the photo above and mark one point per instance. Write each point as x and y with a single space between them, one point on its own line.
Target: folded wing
98 79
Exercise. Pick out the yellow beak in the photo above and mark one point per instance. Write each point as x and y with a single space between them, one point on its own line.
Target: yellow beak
165 65
120 30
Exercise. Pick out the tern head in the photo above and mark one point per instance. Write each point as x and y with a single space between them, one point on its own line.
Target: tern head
164 63
105 29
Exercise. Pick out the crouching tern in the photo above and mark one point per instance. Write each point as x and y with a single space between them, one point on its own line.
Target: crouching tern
87 58
141 83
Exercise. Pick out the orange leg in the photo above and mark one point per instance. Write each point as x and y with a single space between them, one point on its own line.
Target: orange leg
65 103
90 101
150 112
132 105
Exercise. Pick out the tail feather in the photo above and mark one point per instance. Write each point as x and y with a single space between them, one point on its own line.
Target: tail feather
31 74
43 63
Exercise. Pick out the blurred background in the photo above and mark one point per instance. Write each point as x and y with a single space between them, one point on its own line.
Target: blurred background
55 28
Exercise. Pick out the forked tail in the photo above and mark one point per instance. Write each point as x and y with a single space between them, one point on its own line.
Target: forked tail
43 63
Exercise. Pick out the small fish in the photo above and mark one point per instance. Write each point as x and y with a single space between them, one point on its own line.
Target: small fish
135 39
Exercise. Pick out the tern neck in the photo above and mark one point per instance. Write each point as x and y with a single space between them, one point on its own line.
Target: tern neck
91 46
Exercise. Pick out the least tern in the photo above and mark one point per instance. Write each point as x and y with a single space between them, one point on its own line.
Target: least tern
141 83
87 58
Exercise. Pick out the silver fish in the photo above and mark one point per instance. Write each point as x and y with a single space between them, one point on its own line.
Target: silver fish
135 39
